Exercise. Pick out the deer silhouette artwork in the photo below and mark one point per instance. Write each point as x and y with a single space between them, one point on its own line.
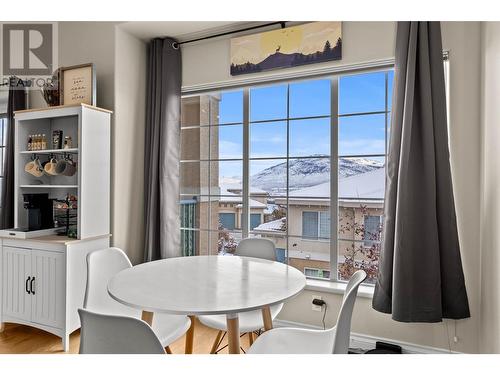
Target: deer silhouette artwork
278 49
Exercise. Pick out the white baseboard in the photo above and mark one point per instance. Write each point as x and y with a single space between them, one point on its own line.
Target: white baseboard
367 342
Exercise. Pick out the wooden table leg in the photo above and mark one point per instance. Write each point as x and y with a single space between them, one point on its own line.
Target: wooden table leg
233 333
190 337
266 317
147 317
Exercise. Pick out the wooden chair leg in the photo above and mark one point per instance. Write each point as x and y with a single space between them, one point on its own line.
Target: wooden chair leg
168 350
190 337
266 317
250 338
216 343
147 316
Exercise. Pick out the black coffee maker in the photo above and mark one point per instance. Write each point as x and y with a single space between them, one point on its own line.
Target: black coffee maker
39 208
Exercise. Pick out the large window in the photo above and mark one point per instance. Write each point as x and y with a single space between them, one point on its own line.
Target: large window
268 161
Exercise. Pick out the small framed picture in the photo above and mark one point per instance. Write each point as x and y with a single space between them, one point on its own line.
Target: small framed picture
78 84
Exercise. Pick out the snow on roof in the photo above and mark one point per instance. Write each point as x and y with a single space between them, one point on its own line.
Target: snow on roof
236 199
238 187
272 226
364 185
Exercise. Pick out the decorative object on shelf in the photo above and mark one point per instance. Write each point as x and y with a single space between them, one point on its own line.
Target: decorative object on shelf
34 167
66 167
68 142
51 90
309 43
57 136
66 215
78 84
36 142
50 167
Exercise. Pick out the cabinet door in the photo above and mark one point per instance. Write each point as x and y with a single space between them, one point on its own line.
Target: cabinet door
16 277
47 288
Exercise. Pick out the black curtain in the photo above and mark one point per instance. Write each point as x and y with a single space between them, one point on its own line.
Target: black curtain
420 271
16 102
162 151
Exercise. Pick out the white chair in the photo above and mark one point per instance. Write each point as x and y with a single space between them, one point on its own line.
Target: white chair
251 321
308 341
104 264
114 334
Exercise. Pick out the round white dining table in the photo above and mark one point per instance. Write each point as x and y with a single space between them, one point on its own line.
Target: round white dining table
207 285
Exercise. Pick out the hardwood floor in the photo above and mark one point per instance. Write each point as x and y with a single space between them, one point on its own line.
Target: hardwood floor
19 339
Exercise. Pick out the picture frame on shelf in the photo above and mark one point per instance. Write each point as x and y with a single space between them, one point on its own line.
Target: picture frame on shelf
78 84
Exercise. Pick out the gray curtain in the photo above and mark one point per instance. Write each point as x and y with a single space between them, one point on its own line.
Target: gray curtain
420 272
16 102
161 168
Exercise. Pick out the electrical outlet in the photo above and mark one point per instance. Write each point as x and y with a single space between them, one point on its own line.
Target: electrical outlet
314 307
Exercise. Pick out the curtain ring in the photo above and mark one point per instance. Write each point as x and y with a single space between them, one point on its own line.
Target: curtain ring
175 45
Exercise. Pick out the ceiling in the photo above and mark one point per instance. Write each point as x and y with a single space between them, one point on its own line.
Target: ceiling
182 30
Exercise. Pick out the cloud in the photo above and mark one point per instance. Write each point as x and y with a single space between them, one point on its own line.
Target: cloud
230 150
362 146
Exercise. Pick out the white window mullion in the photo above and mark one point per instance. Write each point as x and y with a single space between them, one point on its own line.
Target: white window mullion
245 216
334 166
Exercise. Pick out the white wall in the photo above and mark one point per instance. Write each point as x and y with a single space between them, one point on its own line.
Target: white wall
208 61
366 41
128 145
490 208
120 62
84 42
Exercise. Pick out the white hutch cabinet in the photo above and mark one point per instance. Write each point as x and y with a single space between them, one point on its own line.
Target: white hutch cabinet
43 276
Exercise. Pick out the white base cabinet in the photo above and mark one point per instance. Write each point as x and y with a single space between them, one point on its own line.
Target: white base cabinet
43 282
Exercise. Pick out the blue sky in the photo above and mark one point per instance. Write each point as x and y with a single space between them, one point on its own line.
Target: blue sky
358 135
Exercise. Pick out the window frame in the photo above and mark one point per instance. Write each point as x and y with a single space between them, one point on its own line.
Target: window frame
334 157
318 236
334 77
305 269
368 242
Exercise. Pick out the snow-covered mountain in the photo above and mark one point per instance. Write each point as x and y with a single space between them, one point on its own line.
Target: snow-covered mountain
308 172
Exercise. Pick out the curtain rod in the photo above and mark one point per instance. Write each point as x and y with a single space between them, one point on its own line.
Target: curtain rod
176 45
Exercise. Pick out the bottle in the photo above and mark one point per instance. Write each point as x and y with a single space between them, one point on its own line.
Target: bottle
30 142
38 142
44 142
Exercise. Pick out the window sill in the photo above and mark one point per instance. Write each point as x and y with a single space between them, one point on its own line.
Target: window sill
334 287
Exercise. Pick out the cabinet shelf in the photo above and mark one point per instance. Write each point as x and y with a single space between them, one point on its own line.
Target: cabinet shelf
54 151
50 186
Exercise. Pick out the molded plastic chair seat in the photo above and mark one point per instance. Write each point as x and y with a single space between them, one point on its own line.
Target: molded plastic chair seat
170 327
308 341
294 341
249 321
104 264
113 334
